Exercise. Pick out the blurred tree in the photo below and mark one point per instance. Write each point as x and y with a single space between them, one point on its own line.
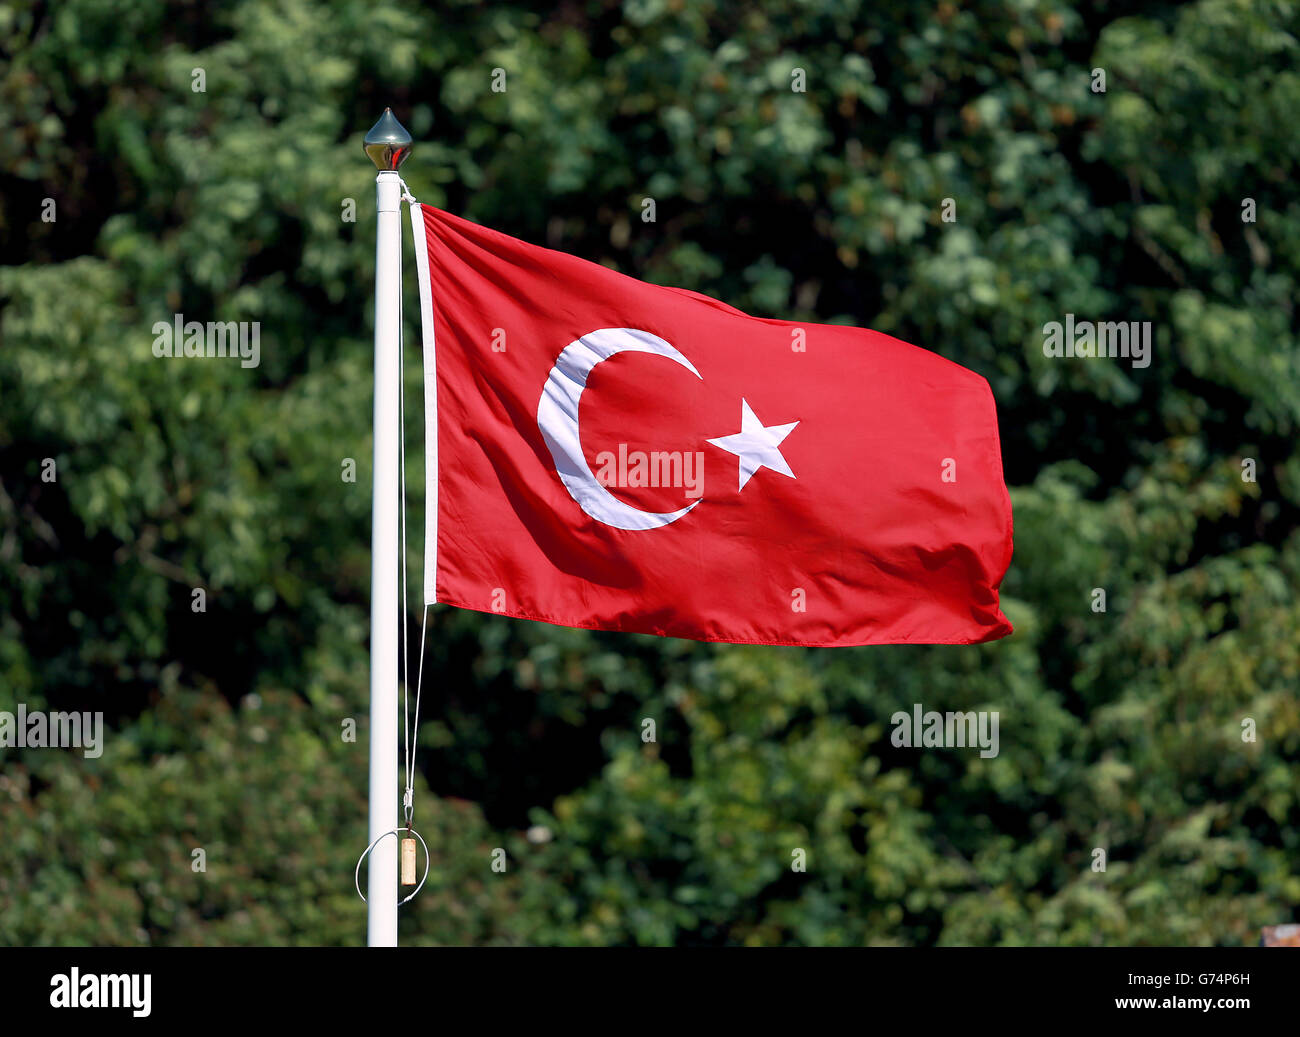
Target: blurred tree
1120 730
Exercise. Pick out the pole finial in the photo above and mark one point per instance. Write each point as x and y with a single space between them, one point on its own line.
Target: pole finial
388 144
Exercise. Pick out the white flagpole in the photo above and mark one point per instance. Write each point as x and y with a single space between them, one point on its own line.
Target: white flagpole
388 145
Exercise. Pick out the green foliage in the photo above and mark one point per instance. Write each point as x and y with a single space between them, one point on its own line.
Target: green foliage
1120 730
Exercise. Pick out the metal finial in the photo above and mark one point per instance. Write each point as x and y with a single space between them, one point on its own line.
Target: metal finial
388 144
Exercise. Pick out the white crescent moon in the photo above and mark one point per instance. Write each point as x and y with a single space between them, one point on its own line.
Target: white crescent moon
557 418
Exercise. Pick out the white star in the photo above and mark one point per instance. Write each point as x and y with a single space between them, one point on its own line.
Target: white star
756 445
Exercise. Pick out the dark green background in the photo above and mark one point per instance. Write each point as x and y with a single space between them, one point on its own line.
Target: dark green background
1120 730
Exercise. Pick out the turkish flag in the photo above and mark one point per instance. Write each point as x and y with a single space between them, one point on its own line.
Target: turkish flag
615 455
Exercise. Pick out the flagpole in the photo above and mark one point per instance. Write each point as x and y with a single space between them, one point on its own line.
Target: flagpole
388 145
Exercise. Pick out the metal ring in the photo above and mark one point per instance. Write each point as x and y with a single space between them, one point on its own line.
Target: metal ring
356 878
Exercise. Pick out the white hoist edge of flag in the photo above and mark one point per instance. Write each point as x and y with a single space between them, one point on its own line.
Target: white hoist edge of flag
430 407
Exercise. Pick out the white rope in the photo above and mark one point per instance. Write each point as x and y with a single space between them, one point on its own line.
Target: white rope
408 797
408 805
419 682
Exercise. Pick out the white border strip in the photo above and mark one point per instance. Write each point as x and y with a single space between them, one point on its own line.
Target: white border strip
430 407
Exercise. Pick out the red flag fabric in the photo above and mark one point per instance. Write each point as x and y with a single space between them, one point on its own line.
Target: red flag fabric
616 455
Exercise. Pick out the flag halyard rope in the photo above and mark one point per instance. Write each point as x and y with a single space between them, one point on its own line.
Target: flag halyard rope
408 798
